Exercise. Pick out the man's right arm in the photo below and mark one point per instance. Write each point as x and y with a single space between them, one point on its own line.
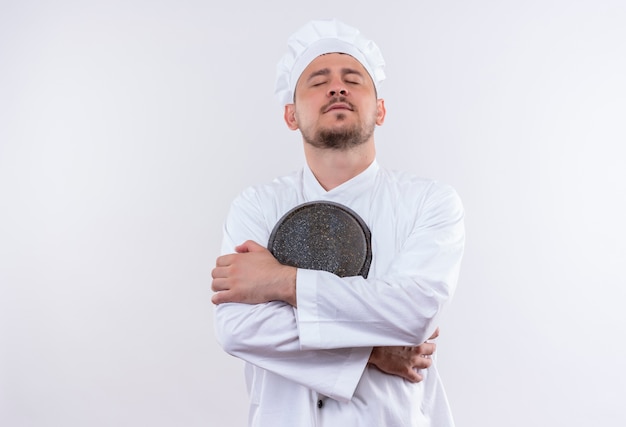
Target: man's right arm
266 334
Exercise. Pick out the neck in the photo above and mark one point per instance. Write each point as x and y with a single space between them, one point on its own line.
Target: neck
334 167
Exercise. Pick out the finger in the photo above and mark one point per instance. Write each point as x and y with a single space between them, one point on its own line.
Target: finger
425 349
242 249
225 296
224 260
249 246
435 334
218 285
220 272
422 362
412 376
218 298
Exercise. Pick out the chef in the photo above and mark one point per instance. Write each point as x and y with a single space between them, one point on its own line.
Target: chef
320 349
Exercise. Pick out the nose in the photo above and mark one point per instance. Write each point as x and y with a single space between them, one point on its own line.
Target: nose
337 88
336 92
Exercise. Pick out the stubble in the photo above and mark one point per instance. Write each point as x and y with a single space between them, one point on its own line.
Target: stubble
341 138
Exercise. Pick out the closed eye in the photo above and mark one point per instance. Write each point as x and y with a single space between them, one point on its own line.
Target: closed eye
353 78
315 83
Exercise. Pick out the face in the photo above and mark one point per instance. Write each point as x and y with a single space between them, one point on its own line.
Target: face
335 104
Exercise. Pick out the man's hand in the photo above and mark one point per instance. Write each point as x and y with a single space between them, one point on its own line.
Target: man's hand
404 361
252 276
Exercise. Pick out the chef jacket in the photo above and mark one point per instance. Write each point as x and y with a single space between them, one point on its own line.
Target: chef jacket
308 366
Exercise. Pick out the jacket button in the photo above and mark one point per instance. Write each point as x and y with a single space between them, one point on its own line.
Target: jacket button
320 403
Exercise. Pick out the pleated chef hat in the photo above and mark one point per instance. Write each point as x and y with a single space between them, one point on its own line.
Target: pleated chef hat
317 38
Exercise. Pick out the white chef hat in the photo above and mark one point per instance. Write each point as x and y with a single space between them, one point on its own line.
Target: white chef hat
317 38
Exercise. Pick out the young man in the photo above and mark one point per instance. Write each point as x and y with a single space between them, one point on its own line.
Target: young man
324 350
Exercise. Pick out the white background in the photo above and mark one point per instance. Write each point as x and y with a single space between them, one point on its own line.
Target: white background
127 127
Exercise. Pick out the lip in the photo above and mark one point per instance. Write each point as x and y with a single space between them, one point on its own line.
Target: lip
338 106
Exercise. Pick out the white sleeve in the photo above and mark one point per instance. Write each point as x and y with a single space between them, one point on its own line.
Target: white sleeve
402 304
266 335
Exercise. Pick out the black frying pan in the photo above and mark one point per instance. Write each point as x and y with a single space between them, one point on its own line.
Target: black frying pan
323 236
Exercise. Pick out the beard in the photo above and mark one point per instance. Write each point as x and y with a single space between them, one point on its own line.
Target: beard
343 138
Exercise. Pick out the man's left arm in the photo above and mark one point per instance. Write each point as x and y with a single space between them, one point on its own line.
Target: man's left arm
399 308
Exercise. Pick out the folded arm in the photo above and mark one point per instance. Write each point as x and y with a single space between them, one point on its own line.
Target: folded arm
253 276
326 343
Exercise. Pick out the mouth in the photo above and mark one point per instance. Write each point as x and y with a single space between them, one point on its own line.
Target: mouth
338 106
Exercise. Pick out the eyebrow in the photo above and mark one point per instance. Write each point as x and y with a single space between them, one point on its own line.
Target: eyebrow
326 71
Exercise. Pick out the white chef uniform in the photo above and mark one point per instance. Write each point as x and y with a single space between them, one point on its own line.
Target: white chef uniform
307 366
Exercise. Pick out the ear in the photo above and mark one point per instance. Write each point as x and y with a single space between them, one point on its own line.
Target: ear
381 112
290 116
